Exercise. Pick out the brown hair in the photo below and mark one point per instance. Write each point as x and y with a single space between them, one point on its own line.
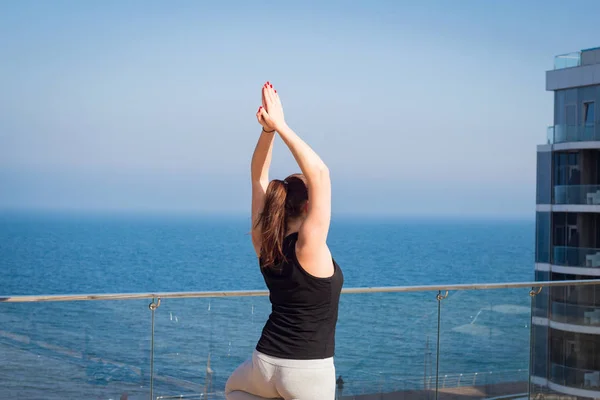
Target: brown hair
284 201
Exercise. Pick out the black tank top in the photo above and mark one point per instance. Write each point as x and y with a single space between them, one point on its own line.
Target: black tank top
304 309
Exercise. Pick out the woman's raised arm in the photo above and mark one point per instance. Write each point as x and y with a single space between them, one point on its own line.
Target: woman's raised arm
259 171
312 238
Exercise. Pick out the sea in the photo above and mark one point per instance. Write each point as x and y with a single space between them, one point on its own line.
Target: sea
118 349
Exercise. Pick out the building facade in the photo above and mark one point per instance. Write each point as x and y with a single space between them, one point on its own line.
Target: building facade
565 337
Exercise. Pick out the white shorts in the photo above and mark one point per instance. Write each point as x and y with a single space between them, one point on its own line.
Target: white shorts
266 377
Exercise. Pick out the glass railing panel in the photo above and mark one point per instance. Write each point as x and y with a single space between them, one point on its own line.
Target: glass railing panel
582 315
75 350
484 343
385 342
550 135
200 341
569 60
578 378
577 194
576 257
574 133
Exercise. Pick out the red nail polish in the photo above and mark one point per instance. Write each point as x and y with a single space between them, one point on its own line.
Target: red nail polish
275 90
271 86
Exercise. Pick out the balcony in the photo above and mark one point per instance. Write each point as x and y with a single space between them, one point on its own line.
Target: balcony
572 133
446 342
576 378
576 257
575 314
577 194
568 60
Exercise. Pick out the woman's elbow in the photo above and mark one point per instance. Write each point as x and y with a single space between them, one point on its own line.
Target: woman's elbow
324 172
321 169
318 173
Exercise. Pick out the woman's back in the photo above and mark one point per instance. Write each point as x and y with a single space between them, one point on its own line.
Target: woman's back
304 309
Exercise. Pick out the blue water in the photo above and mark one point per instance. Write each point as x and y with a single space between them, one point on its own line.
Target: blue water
384 341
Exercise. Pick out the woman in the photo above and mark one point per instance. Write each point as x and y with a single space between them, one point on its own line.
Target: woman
290 222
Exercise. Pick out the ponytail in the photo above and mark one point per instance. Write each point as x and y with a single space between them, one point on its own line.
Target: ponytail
272 223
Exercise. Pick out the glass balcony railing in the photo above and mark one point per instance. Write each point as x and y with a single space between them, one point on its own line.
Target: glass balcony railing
409 342
576 257
371 327
75 350
550 135
568 60
475 325
575 314
577 194
575 377
572 133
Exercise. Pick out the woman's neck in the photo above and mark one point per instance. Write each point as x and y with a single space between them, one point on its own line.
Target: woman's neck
294 226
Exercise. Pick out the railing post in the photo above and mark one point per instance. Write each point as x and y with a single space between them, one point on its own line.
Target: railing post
153 306
532 293
439 299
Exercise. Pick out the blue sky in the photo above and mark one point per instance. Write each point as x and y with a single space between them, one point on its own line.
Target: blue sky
419 108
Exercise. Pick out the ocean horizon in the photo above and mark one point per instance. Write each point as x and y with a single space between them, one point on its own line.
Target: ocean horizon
169 213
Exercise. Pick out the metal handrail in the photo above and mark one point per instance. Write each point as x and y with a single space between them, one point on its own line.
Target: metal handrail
262 293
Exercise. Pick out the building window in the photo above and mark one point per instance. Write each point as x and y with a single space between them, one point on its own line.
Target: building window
572 356
539 346
586 298
542 233
571 115
596 228
566 169
559 164
566 230
588 113
544 178
540 302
